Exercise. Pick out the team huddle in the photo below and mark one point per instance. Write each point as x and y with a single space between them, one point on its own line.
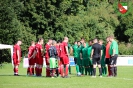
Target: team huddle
87 56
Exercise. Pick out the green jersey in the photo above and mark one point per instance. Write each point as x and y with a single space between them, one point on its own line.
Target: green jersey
103 51
84 52
89 51
75 50
79 51
114 46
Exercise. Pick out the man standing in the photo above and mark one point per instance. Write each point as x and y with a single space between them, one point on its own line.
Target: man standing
108 55
114 54
90 68
96 57
53 59
103 65
47 46
64 58
39 57
16 56
30 70
85 60
76 56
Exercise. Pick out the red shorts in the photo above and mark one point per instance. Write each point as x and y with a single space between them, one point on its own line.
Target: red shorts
32 61
16 61
39 61
64 60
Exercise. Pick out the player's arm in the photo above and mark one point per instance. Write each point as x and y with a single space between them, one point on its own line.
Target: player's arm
67 50
80 55
92 52
113 50
42 52
34 54
101 54
18 54
71 50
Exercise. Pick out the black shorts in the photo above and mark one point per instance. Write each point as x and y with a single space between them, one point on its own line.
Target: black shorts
75 60
96 61
113 60
107 61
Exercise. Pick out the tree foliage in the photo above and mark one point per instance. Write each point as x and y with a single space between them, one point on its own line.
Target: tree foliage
30 19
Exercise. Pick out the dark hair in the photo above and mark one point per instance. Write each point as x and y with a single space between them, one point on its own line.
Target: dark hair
59 41
40 39
79 42
91 40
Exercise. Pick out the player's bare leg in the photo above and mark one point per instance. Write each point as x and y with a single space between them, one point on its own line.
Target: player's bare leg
100 70
94 70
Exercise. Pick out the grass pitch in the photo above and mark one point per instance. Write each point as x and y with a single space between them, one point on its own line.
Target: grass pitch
7 80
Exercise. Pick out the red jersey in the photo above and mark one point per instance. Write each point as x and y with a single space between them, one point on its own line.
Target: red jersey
15 48
63 49
47 51
107 50
38 49
31 51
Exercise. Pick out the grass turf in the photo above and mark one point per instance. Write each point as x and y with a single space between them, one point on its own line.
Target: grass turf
7 80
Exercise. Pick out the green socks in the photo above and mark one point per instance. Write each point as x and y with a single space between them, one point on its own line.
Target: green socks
77 68
104 70
69 69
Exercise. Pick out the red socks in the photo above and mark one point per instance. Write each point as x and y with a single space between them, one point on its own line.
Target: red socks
109 71
36 69
15 70
47 72
62 71
66 69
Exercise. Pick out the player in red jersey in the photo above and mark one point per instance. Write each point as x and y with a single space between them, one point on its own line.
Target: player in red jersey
64 58
47 46
39 57
16 56
108 55
30 70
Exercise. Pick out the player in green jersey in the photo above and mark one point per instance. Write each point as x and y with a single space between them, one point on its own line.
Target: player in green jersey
76 54
114 55
90 68
103 64
85 60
